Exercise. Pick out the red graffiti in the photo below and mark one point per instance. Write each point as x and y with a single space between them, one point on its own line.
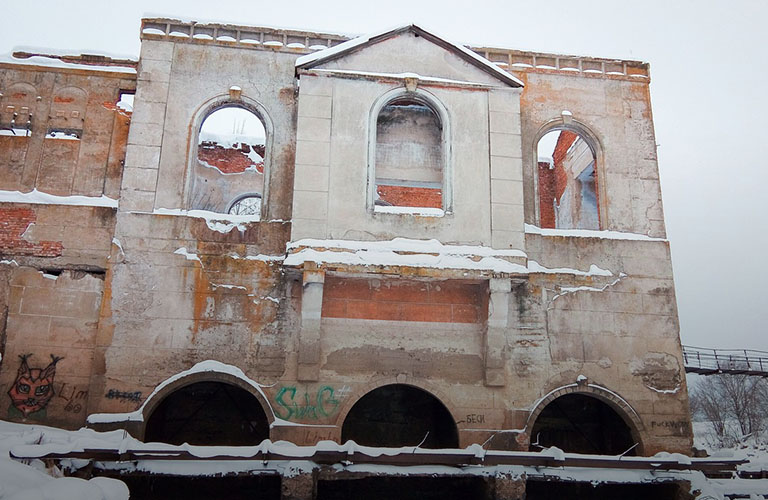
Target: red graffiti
33 387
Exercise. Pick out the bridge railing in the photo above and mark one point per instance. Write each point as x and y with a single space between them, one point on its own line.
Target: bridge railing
733 361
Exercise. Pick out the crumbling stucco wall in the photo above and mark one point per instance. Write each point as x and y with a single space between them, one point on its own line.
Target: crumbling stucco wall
53 256
620 331
179 289
81 101
182 293
170 107
334 192
617 111
50 316
187 290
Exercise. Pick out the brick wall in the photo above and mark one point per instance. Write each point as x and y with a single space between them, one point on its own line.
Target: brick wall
14 222
230 160
448 302
546 195
404 196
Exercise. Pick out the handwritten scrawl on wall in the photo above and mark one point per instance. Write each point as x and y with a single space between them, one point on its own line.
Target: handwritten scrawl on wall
33 387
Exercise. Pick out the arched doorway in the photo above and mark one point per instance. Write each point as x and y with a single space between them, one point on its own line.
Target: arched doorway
400 415
580 423
208 413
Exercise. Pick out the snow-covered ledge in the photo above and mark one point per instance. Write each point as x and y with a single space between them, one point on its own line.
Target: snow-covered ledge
420 257
590 233
40 198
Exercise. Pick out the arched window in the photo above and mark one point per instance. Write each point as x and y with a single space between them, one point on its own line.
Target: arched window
410 156
208 413
568 181
400 415
580 423
229 169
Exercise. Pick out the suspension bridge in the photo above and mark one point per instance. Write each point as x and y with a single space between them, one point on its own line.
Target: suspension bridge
705 361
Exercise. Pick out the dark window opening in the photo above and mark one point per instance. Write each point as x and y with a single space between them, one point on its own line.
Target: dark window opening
163 487
409 155
404 488
400 415
557 490
582 424
208 413
568 196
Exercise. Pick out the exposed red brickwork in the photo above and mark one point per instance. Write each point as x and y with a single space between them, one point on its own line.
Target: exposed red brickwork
230 160
402 196
445 301
553 181
564 142
13 223
546 195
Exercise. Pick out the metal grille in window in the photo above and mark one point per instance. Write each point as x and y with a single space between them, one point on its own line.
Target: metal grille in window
248 205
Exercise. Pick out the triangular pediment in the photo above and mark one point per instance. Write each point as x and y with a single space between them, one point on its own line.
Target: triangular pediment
409 49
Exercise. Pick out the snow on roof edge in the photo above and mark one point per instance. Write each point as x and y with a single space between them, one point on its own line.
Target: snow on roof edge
356 42
53 51
155 16
50 62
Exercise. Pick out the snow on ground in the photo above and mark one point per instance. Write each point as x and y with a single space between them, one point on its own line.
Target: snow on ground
37 482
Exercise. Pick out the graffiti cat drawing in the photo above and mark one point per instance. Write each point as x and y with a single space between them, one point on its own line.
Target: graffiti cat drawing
33 387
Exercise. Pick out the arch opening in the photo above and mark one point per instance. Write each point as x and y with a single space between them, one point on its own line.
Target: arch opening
208 413
410 157
578 423
400 415
229 170
568 181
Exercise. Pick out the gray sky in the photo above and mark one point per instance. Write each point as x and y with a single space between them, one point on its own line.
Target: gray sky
708 69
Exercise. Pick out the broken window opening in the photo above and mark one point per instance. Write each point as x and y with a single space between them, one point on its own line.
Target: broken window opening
577 423
400 415
208 413
230 154
17 106
409 158
125 101
72 134
568 194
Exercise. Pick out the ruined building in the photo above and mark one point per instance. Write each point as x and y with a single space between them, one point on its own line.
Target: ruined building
392 239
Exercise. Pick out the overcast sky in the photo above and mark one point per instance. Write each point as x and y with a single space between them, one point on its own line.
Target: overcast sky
708 66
